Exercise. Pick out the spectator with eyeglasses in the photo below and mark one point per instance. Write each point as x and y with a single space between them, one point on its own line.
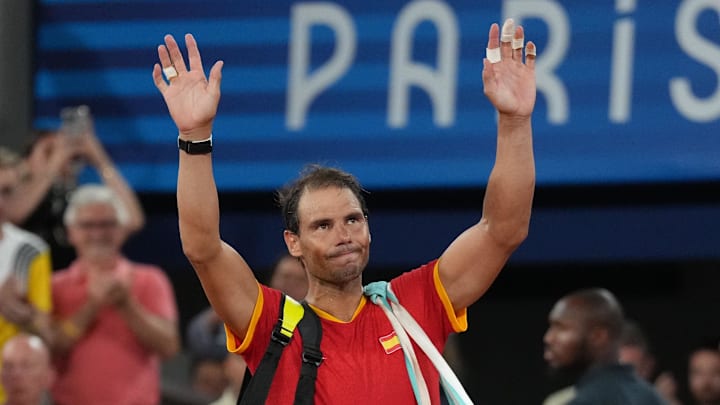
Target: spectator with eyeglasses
51 172
115 319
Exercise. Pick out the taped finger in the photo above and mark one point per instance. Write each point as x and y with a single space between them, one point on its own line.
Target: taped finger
518 43
530 50
508 30
493 55
170 72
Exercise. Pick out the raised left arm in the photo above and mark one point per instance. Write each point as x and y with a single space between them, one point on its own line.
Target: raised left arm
474 259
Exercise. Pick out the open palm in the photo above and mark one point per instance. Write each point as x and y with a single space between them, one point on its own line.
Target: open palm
510 84
191 98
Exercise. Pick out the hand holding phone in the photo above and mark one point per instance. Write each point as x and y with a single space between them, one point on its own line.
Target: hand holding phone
76 120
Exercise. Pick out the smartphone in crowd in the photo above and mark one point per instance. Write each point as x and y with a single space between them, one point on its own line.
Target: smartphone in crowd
76 120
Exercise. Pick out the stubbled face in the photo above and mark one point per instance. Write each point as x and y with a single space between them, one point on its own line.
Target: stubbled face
289 277
333 238
96 233
566 340
704 376
8 183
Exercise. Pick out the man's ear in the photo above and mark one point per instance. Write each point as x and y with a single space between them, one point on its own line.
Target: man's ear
293 243
599 337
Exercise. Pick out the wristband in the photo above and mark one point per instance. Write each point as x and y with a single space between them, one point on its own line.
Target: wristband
195 147
70 329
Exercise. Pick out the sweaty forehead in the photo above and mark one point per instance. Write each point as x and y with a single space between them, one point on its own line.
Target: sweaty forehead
326 201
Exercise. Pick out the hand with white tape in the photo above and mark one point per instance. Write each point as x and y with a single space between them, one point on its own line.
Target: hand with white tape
192 99
509 82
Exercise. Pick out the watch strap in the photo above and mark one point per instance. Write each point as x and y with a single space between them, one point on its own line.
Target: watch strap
195 147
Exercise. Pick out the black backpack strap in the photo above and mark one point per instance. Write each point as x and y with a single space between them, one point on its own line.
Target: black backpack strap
245 382
312 357
257 391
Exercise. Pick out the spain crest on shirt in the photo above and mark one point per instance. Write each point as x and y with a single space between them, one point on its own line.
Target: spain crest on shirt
390 342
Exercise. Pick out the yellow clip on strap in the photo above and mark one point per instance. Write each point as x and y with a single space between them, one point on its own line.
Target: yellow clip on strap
293 312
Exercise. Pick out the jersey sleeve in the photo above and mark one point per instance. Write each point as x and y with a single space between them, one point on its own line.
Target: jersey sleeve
39 290
421 292
252 346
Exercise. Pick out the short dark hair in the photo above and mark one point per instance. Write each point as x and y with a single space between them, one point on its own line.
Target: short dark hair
313 177
602 309
633 335
706 343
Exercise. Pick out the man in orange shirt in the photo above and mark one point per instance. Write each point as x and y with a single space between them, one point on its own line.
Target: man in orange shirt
117 318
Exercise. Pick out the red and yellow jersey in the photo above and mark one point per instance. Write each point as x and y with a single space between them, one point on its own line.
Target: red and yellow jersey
363 360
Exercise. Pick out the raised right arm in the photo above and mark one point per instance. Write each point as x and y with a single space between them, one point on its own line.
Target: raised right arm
45 164
192 101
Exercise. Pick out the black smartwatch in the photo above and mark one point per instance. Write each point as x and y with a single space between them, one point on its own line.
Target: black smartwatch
195 147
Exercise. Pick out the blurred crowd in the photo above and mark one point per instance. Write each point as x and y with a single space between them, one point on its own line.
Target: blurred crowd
75 311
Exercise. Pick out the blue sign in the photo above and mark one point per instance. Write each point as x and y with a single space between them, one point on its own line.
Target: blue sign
391 90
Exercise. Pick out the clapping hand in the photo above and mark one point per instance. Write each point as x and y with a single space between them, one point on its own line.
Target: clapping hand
13 307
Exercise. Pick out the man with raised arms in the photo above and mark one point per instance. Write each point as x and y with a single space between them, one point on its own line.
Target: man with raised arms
327 229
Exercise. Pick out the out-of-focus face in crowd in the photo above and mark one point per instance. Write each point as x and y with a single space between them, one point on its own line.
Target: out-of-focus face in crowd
26 371
289 277
704 376
8 182
566 340
96 231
